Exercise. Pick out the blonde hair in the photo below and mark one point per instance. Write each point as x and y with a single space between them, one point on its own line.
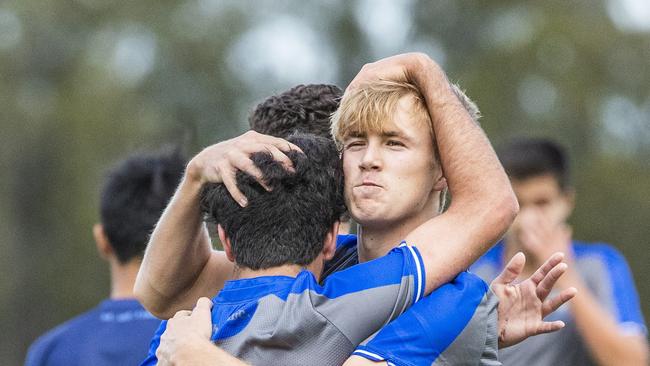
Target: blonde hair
367 109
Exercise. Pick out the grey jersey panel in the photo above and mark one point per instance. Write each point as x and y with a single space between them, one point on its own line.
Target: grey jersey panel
478 340
310 329
356 318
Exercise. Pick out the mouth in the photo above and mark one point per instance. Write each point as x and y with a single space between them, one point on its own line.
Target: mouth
369 183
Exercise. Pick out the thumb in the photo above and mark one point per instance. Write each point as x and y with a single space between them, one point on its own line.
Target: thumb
202 316
512 270
202 308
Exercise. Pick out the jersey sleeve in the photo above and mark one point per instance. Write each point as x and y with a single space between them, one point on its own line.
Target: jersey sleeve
153 346
38 352
626 299
452 324
363 298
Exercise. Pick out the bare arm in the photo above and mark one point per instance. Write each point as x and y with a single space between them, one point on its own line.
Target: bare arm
608 343
483 204
179 265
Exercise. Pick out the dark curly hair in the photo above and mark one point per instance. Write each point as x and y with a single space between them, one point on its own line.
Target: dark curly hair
302 109
288 224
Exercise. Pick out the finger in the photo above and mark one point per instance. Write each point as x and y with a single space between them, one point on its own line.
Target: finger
279 143
548 327
245 164
546 285
281 157
229 180
203 303
512 270
202 310
182 313
550 263
553 304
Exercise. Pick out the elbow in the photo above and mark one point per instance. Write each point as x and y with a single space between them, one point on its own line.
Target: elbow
144 295
505 210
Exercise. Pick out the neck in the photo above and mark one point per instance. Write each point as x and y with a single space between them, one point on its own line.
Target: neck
122 278
290 270
377 241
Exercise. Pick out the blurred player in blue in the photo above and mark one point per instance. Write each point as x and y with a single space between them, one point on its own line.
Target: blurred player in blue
118 330
604 323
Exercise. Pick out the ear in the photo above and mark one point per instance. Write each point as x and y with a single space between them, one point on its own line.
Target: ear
225 240
440 184
104 247
329 246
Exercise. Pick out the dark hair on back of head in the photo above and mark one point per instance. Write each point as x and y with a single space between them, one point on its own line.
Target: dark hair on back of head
135 193
288 224
301 109
526 158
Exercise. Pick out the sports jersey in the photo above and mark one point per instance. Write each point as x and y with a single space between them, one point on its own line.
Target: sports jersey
116 332
456 324
607 275
296 321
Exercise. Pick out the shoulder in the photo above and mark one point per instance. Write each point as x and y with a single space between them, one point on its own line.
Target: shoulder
400 262
599 251
59 336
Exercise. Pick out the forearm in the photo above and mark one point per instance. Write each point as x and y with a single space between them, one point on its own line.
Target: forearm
600 332
483 203
178 251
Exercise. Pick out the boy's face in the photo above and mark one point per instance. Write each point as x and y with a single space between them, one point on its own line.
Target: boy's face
390 175
541 196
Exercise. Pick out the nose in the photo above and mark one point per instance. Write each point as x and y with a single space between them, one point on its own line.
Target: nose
371 159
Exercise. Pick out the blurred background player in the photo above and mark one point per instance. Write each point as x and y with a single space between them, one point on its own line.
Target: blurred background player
604 324
118 330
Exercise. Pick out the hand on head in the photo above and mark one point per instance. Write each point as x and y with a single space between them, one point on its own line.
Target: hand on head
220 162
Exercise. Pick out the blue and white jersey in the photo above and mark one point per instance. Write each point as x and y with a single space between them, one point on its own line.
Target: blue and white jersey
117 332
296 321
455 325
607 275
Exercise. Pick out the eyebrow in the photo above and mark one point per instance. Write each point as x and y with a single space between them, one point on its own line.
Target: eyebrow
393 133
356 134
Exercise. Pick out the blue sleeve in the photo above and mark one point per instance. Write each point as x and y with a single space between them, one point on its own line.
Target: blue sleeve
428 328
38 352
624 293
153 346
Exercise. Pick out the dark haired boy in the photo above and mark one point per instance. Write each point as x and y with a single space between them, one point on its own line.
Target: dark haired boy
604 322
117 331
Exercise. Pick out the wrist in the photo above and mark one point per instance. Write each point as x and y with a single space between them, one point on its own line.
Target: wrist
193 172
422 71
193 352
